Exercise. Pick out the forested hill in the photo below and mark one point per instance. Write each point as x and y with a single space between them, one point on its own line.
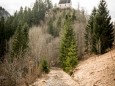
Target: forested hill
35 39
4 13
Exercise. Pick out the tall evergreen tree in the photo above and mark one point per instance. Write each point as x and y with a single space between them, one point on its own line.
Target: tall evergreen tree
68 50
99 31
42 10
52 29
38 11
29 20
20 41
35 12
103 29
48 4
2 39
89 35
25 39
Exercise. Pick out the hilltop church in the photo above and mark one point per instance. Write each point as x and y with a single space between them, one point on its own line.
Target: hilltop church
65 4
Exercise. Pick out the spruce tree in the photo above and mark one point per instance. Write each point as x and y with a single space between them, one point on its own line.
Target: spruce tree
38 12
45 66
2 39
35 13
48 4
25 39
16 43
89 35
99 31
52 29
20 41
68 49
103 28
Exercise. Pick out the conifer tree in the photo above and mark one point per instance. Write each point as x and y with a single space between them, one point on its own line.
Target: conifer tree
20 41
68 50
2 39
99 31
16 43
103 28
38 11
25 38
89 35
35 12
52 29
48 4
29 14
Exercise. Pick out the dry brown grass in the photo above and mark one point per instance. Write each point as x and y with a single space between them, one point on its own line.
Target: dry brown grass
21 71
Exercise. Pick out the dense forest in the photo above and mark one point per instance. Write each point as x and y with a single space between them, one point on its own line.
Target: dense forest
35 39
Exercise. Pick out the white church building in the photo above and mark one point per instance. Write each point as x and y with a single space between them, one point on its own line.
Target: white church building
65 4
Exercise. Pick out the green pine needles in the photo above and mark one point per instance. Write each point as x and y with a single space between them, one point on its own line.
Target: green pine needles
20 41
99 32
68 49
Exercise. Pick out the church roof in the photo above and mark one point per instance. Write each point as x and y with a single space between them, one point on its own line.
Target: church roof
64 1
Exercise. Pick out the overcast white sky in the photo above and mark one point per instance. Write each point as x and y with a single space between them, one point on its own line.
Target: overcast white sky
12 5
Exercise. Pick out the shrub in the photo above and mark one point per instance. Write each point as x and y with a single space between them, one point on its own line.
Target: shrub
45 66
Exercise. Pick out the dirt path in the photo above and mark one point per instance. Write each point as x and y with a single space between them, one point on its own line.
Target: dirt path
57 77
95 71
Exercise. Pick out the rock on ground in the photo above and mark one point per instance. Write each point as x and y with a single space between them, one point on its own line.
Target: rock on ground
56 77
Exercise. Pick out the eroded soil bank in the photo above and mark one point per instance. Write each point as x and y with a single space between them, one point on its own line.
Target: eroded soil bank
95 71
